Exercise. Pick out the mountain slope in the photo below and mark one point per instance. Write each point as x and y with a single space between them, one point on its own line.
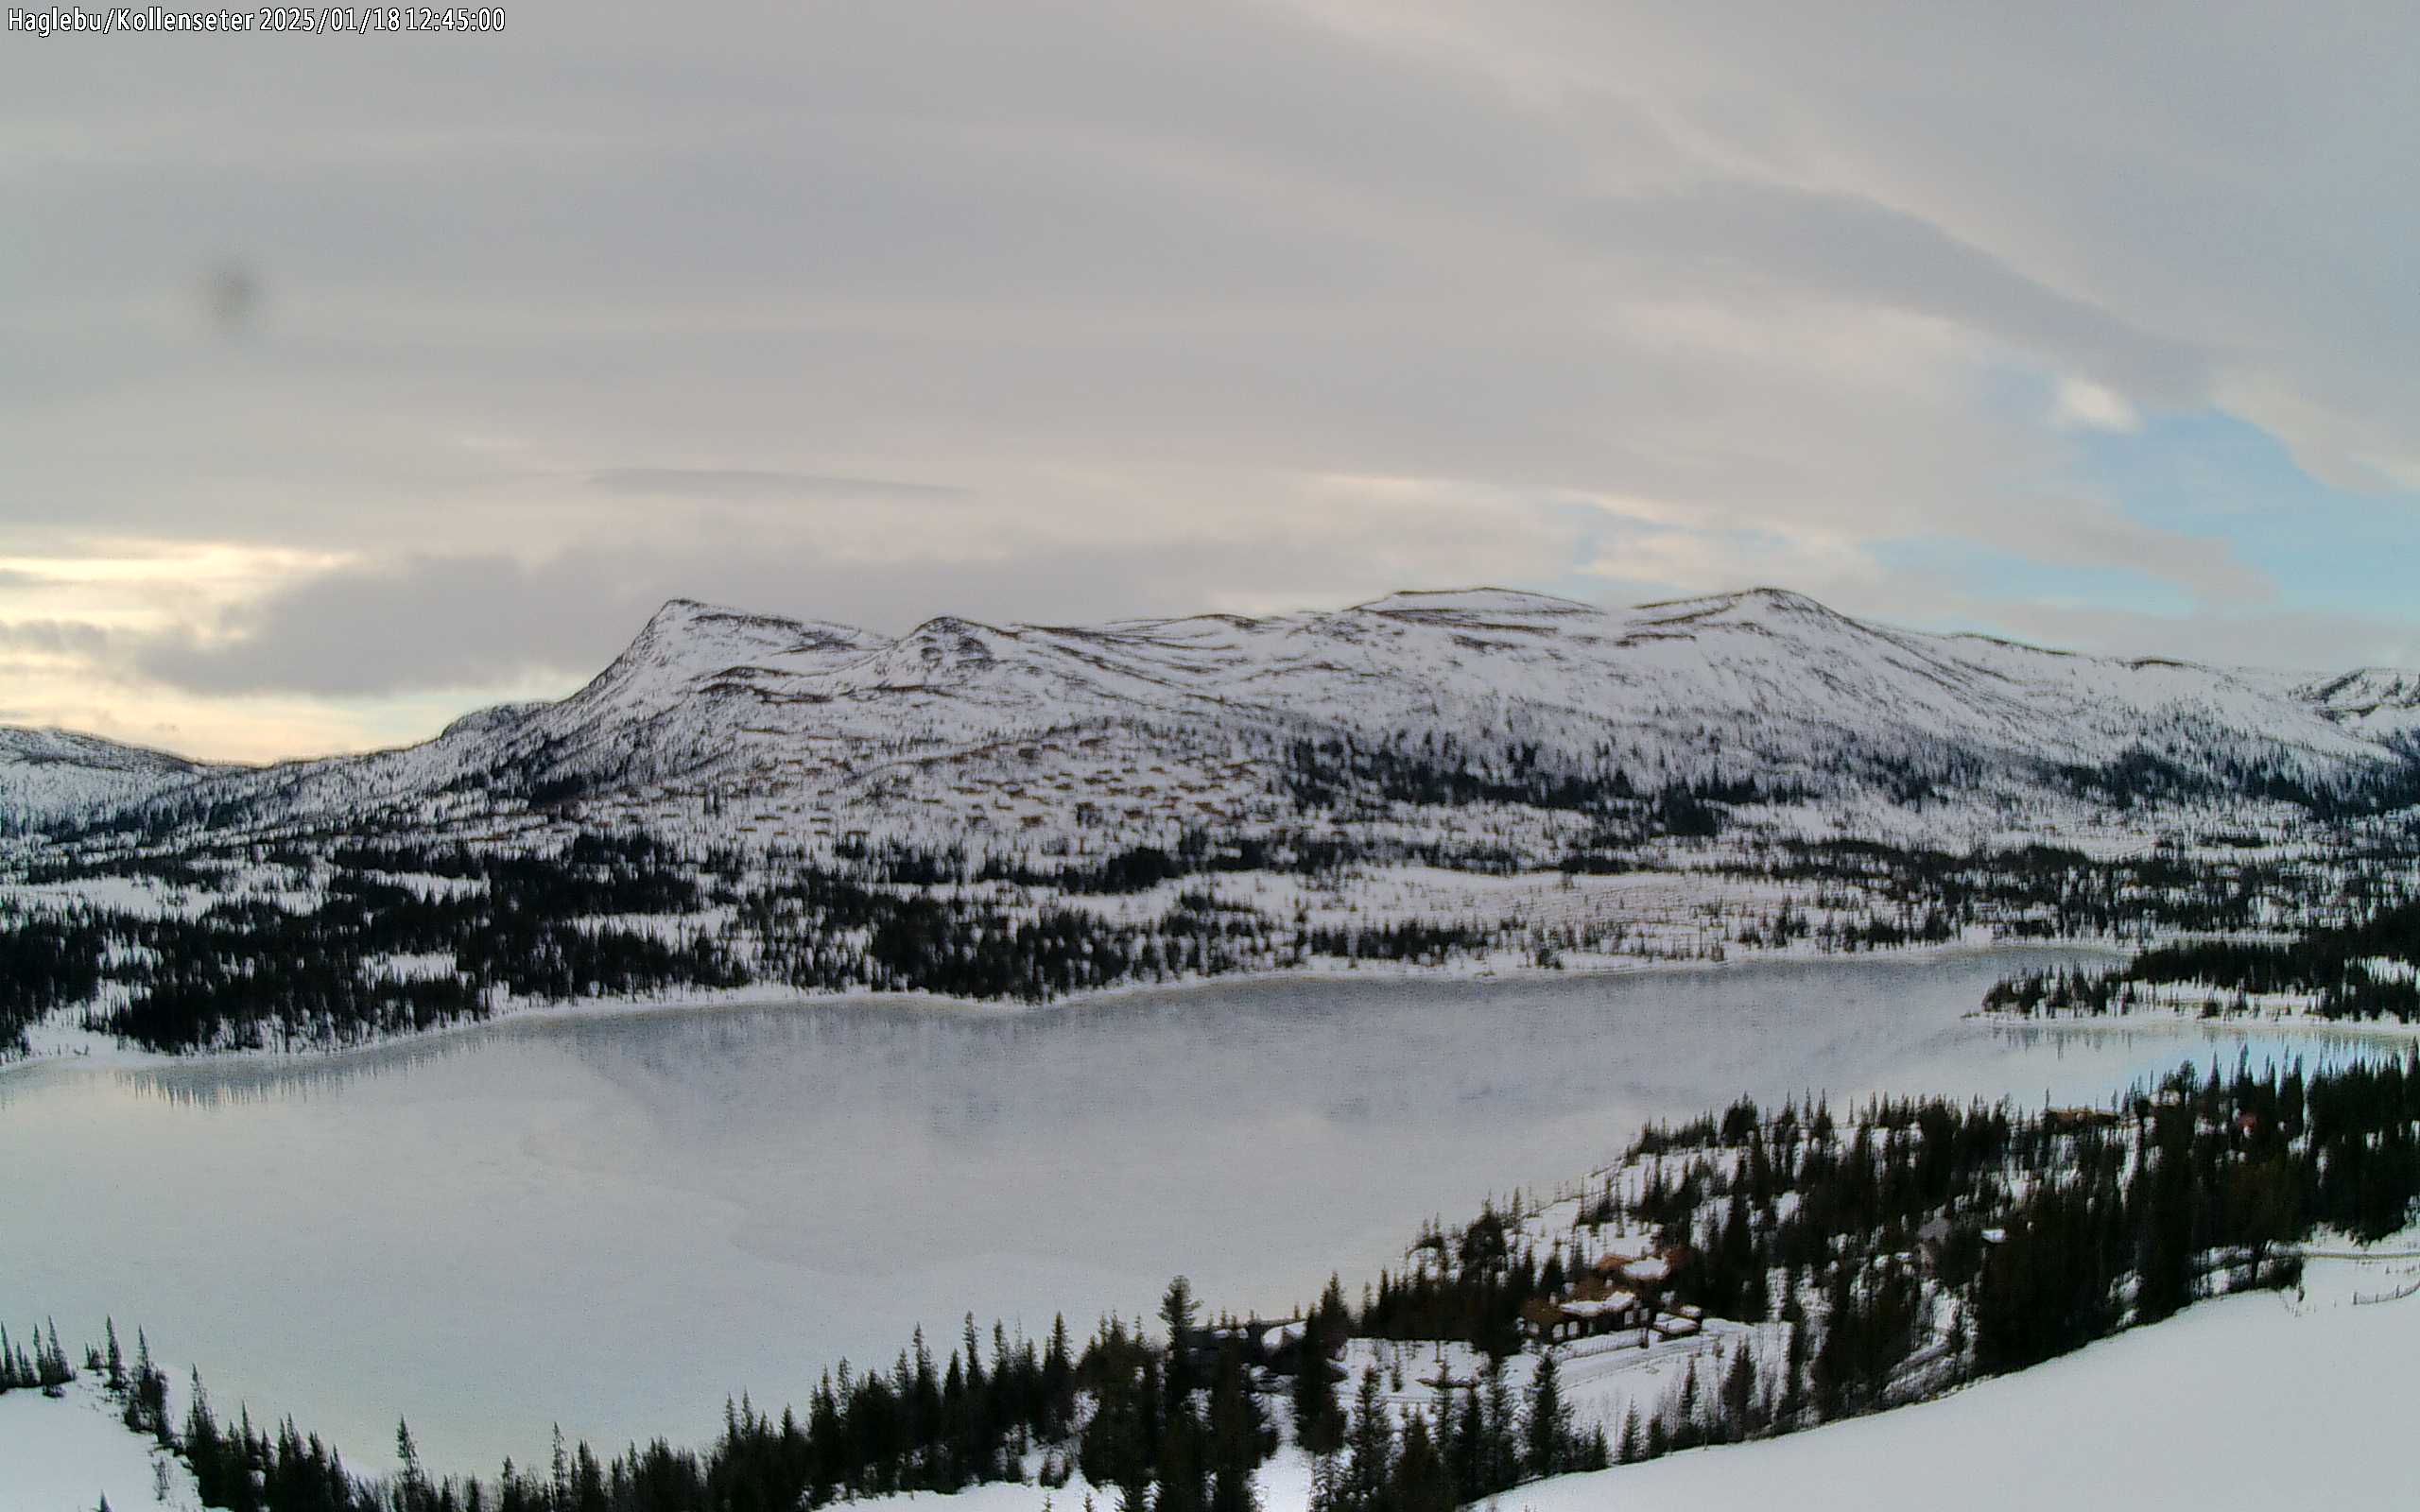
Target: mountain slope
2380 703
50 774
767 730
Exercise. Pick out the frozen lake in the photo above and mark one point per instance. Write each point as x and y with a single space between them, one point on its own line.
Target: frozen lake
614 1221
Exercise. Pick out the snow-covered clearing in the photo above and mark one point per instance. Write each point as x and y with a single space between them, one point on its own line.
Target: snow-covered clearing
64 1454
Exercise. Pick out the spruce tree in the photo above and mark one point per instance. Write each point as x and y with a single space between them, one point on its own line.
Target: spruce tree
1465 1447
1738 1392
1686 1428
1419 1482
1234 1437
1550 1421
1177 1314
1369 1451
1500 1454
1319 1419
411 1487
1057 1380
1183 1478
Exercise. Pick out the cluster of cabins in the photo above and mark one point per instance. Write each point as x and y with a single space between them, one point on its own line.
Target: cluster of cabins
1617 1295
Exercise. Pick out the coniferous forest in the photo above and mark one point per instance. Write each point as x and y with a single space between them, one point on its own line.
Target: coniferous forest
2359 971
296 947
1848 1263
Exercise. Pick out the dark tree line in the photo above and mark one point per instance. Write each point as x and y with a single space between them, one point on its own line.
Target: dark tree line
43 1368
246 974
2053 892
2335 964
45 963
1351 772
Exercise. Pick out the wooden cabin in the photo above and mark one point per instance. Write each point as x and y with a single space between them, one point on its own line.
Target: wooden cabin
1587 1311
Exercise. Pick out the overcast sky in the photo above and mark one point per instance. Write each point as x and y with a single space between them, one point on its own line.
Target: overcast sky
349 381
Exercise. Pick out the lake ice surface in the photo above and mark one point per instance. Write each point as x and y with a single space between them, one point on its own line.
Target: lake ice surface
613 1221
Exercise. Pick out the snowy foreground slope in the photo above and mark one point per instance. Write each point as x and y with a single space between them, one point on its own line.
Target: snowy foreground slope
2259 1401
66 1454
768 731
2251 1401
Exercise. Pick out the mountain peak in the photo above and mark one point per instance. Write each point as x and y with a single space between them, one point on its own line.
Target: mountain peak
1787 600
489 721
1758 601
949 625
697 624
1462 603
681 613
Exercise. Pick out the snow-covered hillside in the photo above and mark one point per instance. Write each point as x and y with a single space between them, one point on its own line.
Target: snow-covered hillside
2381 703
48 775
759 730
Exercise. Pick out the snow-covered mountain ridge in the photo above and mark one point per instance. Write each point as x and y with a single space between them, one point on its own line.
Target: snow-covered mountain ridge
47 773
767 730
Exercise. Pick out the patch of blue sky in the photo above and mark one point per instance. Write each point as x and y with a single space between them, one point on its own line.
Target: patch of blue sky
1993 574
2209 474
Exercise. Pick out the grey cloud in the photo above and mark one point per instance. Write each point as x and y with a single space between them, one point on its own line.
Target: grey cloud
412 626
747 486
449 624
73 638
1725 235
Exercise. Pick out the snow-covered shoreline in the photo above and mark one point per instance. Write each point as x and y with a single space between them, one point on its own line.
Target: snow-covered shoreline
59 1043
2220 1027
